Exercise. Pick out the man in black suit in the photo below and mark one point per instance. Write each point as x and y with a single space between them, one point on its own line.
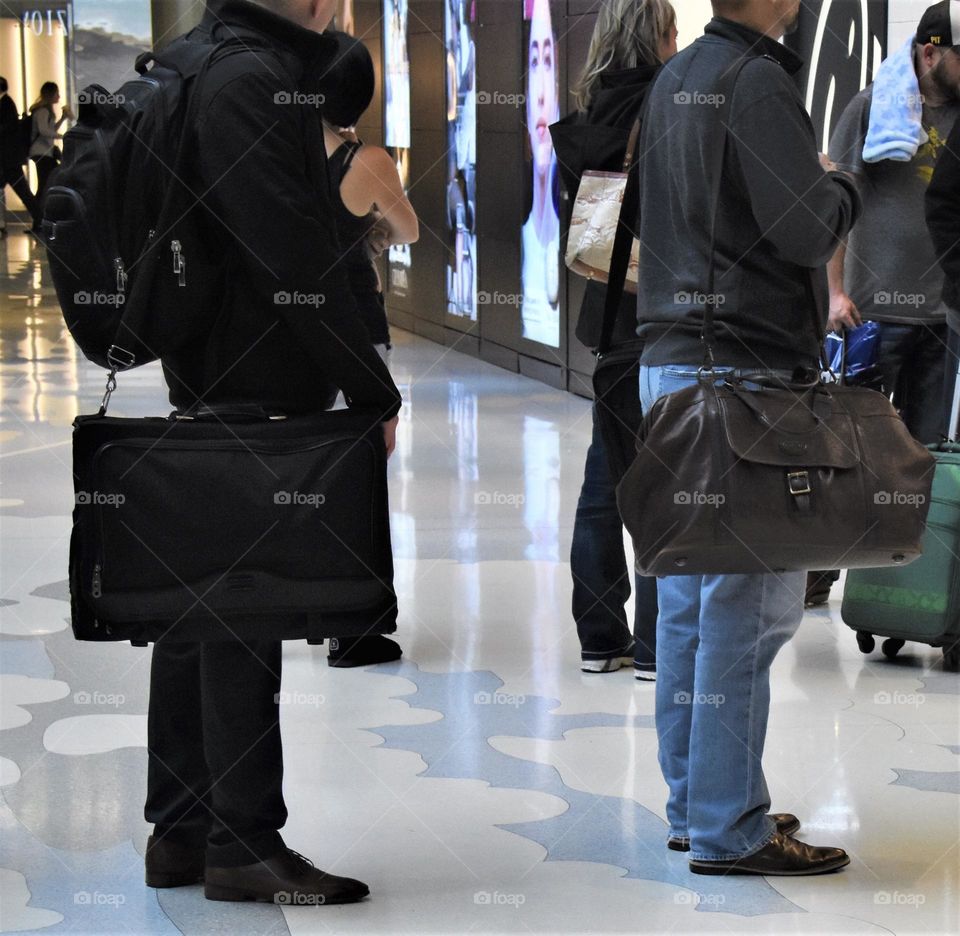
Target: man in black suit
11 157
214 784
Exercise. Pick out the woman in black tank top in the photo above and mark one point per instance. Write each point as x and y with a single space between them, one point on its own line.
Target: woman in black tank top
372 211
371 207
353 232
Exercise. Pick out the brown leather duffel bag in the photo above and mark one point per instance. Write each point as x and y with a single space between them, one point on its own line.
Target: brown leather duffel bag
729 479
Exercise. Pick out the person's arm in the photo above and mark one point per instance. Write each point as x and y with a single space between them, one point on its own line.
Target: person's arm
943 208
801 210
846 154
372 182
843 310
258 189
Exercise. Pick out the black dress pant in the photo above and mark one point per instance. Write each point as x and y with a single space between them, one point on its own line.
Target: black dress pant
14 177
45 165
215 760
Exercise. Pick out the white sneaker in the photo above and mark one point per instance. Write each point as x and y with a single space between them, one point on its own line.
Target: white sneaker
608 665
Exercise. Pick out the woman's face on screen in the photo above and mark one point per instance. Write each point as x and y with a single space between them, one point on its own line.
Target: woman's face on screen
541 85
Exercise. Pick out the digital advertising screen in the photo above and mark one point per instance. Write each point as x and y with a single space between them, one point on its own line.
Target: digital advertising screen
540 235
461 68
397 124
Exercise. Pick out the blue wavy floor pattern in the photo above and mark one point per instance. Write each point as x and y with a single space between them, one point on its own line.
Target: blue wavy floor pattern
592 828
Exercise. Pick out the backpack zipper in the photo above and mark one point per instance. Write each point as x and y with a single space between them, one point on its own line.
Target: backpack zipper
121 274
179 262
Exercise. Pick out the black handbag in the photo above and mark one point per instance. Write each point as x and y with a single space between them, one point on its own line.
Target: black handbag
230 524
733 476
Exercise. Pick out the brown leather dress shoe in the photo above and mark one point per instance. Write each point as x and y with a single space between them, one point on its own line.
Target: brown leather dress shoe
169 864
787 823
782 856
286 878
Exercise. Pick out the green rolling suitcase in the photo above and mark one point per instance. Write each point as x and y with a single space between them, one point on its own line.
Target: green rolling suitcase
921 601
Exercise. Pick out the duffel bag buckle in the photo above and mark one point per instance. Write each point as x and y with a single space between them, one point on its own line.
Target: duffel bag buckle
798 482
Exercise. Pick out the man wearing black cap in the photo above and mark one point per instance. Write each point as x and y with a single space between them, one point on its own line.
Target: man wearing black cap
887 272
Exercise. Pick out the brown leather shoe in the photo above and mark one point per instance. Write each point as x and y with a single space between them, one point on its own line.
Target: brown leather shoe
169 864
286 878
783 856
787 823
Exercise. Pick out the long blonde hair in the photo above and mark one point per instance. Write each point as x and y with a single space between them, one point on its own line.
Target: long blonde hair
628 33
48 91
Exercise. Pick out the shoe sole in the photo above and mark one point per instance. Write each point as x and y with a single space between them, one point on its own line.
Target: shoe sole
645 675
703 868
349 662
163 880
604 666
217 892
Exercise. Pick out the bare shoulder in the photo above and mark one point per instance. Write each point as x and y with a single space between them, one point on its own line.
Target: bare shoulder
375 159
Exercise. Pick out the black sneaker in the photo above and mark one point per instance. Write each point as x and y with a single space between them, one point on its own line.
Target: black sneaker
599 663
647 672
362 651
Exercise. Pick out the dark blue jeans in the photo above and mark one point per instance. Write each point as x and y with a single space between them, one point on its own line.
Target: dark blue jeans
913 363
601 580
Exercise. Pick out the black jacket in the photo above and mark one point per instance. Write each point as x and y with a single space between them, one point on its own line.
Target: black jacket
262 164
780 215
9 128
580 147
943 219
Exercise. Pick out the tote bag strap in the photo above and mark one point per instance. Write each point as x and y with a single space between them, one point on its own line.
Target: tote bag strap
626 223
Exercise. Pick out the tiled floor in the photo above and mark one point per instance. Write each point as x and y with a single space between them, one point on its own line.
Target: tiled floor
483 784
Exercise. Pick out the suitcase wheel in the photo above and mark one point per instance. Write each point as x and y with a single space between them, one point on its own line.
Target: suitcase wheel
951 657
865 642
891 647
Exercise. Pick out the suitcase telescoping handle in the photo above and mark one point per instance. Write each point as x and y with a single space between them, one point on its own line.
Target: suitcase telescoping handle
953 430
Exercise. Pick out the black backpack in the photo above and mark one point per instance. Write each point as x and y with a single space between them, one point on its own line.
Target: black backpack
126 236
22 139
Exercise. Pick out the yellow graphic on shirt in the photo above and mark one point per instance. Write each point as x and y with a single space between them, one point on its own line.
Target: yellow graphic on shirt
929 152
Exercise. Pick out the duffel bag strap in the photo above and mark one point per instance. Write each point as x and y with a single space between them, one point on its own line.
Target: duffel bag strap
708 334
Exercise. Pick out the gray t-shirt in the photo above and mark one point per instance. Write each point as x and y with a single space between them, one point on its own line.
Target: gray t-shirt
891 271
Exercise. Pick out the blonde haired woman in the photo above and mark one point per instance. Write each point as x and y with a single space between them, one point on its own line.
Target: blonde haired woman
44 150
631 39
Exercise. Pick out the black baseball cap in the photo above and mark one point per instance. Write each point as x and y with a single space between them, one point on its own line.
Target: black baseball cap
940 24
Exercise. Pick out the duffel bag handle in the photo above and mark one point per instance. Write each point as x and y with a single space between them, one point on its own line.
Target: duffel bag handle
228 412
816 400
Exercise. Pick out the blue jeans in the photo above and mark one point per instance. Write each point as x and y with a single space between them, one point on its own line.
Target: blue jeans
717 636
601 581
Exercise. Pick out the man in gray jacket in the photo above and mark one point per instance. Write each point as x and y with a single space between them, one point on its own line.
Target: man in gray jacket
782 211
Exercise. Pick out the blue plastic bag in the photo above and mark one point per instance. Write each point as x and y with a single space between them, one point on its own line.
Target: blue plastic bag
854 354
